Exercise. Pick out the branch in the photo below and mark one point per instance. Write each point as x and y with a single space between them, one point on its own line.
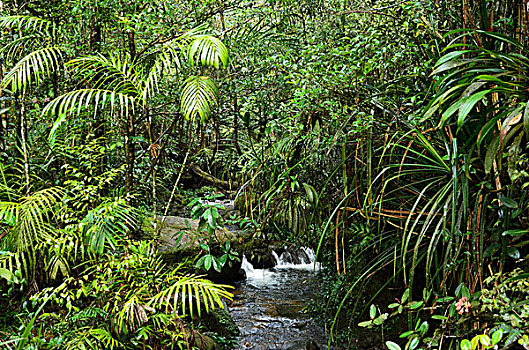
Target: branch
211 179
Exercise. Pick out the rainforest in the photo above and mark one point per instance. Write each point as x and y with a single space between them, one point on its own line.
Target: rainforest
271 174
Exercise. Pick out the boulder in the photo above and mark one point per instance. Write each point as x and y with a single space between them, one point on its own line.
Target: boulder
220 322
178 232
231 272
261 258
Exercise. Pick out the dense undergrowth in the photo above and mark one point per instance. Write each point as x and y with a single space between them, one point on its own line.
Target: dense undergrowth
390 136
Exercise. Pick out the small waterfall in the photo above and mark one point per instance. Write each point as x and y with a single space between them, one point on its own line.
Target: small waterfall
300 258
258 277
270 306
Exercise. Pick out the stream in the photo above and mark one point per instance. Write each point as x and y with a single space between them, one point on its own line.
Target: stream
269 306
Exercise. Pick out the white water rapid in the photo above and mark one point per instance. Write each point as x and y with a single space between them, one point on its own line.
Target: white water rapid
269 306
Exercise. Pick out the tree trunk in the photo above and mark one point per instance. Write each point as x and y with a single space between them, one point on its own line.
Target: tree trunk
3 118
130 154
23 139
236 125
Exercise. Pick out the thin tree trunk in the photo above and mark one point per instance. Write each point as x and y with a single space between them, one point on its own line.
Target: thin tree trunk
130 150
3 117
236 125
130 147
23 138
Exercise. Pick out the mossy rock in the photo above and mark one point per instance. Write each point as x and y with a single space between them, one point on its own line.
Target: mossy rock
221 322
200 340
175 232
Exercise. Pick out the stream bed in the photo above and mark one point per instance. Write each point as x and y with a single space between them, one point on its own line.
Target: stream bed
269 307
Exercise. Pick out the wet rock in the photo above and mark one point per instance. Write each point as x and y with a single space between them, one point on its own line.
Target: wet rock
261 258
231 272
199 340
221 322
204 342
311 345
294 255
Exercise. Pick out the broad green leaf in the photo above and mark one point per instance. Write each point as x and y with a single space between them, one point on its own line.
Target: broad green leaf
450 112
415 305
365 323
493 248
380 319
526 119
405 296
496 336
414 342
484 340
513 252
372 311
491 153
406 334
5 273
439 317
392 346
467 105
465 345
208 261
450 56
445 299
449 65
508 202
519 277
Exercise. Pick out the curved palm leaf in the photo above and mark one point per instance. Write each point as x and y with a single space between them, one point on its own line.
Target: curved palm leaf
106 73
84 98
30 218
33 67
209 50
190 291
14 47
198 95
107 223
25 23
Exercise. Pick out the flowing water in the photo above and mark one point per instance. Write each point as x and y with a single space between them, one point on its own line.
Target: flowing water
269 306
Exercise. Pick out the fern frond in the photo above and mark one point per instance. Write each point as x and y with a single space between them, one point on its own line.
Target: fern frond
104 337
106 224
30 218
11 49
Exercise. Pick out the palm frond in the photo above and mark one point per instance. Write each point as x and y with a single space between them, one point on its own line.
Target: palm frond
33 67
85 98
107 223
198 95
106 73
30 218
25 23
105 338
208 50
13 48
190 292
